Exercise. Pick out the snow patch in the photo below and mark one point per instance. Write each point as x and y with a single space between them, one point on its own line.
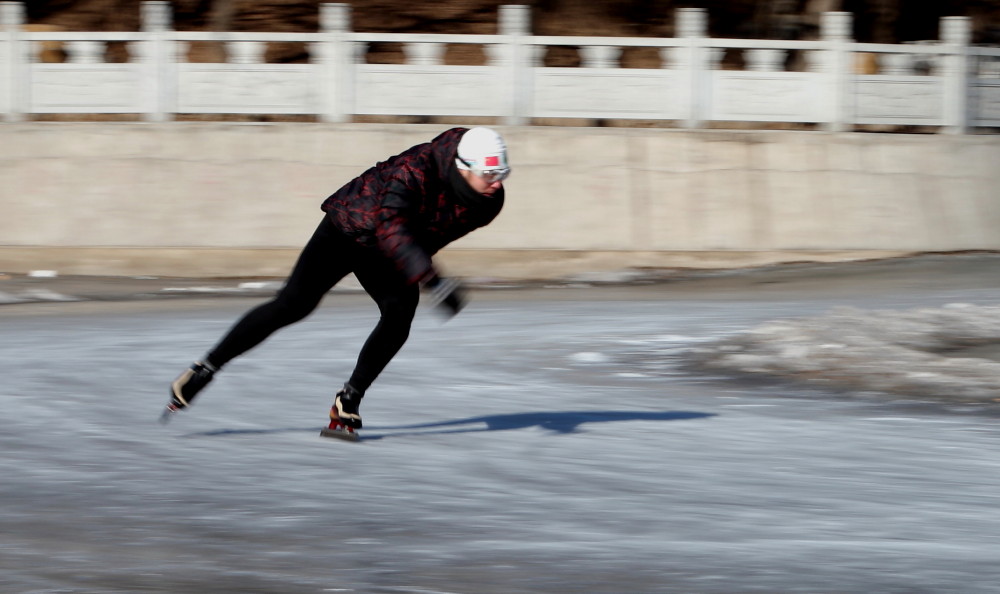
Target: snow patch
919 352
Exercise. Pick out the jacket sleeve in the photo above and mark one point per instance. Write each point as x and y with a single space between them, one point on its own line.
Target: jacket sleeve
395 233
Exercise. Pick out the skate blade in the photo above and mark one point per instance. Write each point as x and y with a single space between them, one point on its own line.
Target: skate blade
341 432
167 414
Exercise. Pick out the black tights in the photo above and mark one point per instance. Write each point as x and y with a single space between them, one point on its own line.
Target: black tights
326 259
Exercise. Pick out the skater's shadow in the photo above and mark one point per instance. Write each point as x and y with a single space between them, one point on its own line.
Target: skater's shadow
561 422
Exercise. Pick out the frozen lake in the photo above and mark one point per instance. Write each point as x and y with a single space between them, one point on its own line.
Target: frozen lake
542 441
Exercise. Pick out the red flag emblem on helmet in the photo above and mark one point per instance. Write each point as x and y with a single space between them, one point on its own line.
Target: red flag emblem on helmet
492 161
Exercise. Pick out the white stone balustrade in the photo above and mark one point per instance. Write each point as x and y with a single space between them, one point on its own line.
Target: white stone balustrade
947 83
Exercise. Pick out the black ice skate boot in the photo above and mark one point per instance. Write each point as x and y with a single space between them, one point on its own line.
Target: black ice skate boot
344 414
187 386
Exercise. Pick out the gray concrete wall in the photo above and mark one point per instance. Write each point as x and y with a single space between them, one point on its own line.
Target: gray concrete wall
219 199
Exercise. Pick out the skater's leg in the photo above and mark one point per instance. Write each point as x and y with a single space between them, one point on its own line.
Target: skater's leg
397 302
326 258
323 262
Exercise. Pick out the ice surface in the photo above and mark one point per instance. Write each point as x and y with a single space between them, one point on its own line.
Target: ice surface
495 458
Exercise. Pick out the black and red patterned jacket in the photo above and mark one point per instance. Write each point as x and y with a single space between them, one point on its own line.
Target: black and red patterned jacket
411 205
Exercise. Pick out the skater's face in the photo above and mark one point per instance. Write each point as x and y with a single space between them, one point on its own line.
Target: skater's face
486 185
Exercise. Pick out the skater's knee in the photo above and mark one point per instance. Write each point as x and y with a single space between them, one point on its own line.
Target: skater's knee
398 310
288 310
395 322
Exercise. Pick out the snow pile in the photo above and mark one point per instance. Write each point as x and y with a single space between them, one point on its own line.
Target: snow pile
934 353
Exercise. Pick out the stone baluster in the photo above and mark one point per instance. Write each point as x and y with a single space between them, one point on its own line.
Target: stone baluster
715 56
515 25
765 60
600 56
425 53
160 62
692 27
835 30
336 57
671 58
14 58
895 64
956 32
245 52
85 52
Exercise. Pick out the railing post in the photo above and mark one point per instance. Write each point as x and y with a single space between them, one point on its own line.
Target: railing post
692 26
14 67
515 24
836 32
955 35
161 64
336 63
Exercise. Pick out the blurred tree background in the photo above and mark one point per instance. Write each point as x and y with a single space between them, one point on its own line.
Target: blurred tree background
878 21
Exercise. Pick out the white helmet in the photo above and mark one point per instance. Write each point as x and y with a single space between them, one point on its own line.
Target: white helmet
483 152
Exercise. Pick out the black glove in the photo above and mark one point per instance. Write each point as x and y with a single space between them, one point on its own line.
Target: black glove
447 294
